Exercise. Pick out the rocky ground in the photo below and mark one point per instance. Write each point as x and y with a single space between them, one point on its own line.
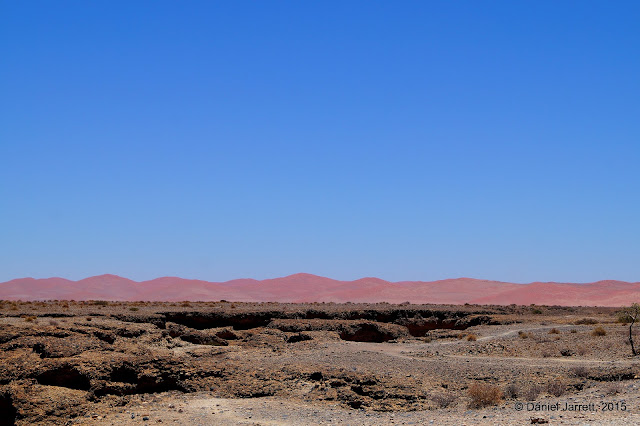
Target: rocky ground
235 363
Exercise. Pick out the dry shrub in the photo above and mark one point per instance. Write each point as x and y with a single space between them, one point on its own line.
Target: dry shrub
185 304
614 388
599 331
556 387
89 318
444 400
460 336
546 354
586 321
53 323
472 338
554 331
134 308
524 335
532 392
483 395
580 371
582 350
623 318
573 331
29 318
512 391
566 352
427 339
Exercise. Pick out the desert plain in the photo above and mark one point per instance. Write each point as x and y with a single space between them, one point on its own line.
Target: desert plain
226 363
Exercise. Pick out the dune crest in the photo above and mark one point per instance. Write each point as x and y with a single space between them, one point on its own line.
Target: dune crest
312 288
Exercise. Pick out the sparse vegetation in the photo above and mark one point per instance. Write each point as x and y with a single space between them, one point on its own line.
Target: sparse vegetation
586 321
614 388
599 331
632 313
554 331
532 392
579 371
444 400
472 337
512 391
484 394
556 387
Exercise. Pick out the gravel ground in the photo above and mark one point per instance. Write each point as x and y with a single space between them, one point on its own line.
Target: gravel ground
203 409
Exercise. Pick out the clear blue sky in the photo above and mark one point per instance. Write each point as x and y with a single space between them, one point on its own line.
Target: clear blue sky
405 140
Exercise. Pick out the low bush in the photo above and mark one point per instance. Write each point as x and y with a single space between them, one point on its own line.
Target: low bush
472 338
554 331
599 331
556 387
483 395
623 318
532 392
586 321
579 371
444 400
614 388
512 391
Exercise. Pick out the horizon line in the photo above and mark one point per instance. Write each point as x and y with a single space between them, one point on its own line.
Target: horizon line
323 277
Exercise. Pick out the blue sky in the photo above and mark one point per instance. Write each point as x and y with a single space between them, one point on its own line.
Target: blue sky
403 140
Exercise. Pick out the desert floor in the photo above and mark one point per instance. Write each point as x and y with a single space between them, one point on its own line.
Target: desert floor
112 363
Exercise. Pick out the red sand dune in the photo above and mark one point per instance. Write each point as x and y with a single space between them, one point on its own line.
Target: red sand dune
312 288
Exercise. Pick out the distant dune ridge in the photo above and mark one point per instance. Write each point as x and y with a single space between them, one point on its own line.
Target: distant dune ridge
312 288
